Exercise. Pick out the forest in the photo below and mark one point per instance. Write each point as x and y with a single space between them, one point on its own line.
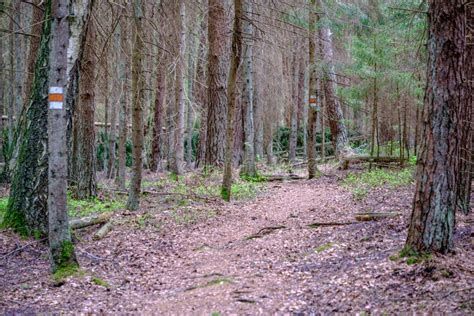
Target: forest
214 157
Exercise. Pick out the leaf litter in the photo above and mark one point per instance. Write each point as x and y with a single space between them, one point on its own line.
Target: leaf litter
206 264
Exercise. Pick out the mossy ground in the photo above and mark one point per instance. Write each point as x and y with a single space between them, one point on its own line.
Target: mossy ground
411 255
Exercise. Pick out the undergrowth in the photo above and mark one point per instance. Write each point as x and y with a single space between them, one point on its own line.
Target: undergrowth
94 205
361 183
3 208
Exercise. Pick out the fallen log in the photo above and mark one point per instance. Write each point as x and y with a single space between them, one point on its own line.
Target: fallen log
104 230
82 222
372 216
359 159
318 224
271 178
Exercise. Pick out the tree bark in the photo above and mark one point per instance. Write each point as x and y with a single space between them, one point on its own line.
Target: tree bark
217 74
133 201
466 159
113 110
433 216
232 91
60 244
312 111
249 167
201 95
124 102
334 112
178 148
160 96
84 180
36 26
27 204
294 107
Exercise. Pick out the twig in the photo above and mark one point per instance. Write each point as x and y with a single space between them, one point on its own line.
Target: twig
21 248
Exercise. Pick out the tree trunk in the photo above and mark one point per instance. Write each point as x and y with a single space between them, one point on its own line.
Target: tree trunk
178 148
83 173
294 107
201 96
466 159
36 26
156 153
113 111
249 167
137 108
27 205
338 128
124 100
60 244
433 216
232 92
312 111
217 99
19 56
2 96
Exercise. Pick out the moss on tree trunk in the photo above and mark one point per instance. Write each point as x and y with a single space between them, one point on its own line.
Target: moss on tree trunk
27 206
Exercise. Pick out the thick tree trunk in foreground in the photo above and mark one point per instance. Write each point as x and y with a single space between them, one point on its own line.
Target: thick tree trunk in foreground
312 97
232 93
60 244
83 173
137 109
27 205
249 167
433 217
466 168
217 109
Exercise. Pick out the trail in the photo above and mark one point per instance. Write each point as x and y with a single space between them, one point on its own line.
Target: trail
255 257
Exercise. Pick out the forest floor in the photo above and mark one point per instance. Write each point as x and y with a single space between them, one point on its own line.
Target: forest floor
257 255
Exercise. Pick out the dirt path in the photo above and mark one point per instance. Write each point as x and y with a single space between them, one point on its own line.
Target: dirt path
256 257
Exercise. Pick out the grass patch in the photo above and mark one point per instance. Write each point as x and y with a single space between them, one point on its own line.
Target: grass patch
218 282
100 282
411 255
361 183
80 208
3 208
324 247
64 272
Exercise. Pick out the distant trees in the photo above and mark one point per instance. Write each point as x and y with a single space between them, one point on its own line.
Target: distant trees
443 131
